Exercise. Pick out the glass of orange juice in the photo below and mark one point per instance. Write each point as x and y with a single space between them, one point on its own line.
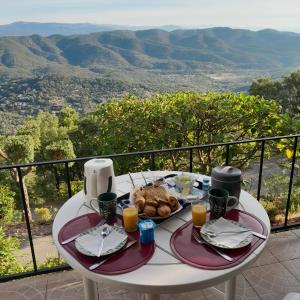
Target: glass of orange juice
130 218
199 212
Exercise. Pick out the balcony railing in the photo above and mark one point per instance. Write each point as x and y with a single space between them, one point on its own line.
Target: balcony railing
152 155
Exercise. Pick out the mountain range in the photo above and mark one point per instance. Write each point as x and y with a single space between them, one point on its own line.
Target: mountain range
39 72
182 51
46 29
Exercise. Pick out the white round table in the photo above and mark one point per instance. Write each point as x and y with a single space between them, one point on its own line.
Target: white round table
163 273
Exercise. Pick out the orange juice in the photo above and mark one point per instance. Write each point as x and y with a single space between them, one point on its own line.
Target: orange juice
130 218
198 214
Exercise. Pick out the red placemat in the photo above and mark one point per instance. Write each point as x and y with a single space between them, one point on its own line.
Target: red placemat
190 252
126 261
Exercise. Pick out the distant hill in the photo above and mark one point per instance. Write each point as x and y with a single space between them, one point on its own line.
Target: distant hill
46 29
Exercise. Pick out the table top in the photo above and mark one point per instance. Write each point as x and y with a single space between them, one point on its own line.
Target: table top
164 273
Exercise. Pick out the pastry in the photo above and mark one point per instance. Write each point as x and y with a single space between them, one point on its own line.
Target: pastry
164 211
150 210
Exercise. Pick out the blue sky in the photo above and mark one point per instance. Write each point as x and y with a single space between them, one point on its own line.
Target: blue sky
254 14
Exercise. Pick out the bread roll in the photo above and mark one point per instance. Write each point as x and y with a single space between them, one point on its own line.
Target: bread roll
151 202
150 210
164 211
140 203
174 204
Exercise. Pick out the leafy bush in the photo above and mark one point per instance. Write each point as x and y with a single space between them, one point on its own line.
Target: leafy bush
8 262
43 215
271 208
7 205
51 262
76 186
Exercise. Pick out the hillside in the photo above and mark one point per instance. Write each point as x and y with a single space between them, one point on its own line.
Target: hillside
176 51
45 73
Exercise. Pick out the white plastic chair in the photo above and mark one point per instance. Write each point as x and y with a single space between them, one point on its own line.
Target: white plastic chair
292 296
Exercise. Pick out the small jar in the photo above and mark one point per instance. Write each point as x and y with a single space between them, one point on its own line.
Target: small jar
146 228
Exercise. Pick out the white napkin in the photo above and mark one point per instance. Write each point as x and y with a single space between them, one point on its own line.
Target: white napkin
91 241
230 240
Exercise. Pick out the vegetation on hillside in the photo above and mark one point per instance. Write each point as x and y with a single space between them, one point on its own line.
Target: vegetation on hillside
47 73
285 91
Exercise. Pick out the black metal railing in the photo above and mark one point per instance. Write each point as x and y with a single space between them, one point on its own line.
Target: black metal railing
152 156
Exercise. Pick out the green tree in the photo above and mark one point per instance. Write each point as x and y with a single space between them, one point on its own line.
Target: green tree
7 205
41 138
285 90
20 149
68 118
178 120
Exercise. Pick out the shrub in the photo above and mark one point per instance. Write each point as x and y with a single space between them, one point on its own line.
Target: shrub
8 261
271 208
43 215
51 262
7 205
76 186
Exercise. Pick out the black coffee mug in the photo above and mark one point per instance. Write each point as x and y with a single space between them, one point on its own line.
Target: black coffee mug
107 203
220 202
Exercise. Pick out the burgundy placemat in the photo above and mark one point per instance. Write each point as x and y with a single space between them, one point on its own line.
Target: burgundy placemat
126 261
190 252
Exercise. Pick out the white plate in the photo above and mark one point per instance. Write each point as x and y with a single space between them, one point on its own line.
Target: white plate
245 239
84 251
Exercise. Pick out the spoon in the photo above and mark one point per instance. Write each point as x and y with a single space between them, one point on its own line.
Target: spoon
104 233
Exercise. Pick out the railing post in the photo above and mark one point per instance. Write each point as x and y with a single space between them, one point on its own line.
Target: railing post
262 153
291 182
67 172
227 155
152 161
21 187
191 160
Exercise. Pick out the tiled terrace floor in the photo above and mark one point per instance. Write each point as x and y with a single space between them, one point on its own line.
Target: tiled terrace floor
276 273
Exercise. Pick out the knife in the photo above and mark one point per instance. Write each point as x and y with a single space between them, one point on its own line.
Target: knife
96 265
74 237
264 237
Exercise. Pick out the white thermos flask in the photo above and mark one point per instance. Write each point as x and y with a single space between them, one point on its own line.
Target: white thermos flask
96 177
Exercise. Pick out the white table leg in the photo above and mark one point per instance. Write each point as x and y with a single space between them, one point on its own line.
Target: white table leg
90 289
230 287
151 297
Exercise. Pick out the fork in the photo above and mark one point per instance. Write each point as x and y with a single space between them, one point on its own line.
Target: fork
199 241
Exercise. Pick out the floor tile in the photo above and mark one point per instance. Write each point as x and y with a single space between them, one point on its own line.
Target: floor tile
296 232
285 247
272 281
266 258
243 291
294 267
64 285
195 295
29 288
